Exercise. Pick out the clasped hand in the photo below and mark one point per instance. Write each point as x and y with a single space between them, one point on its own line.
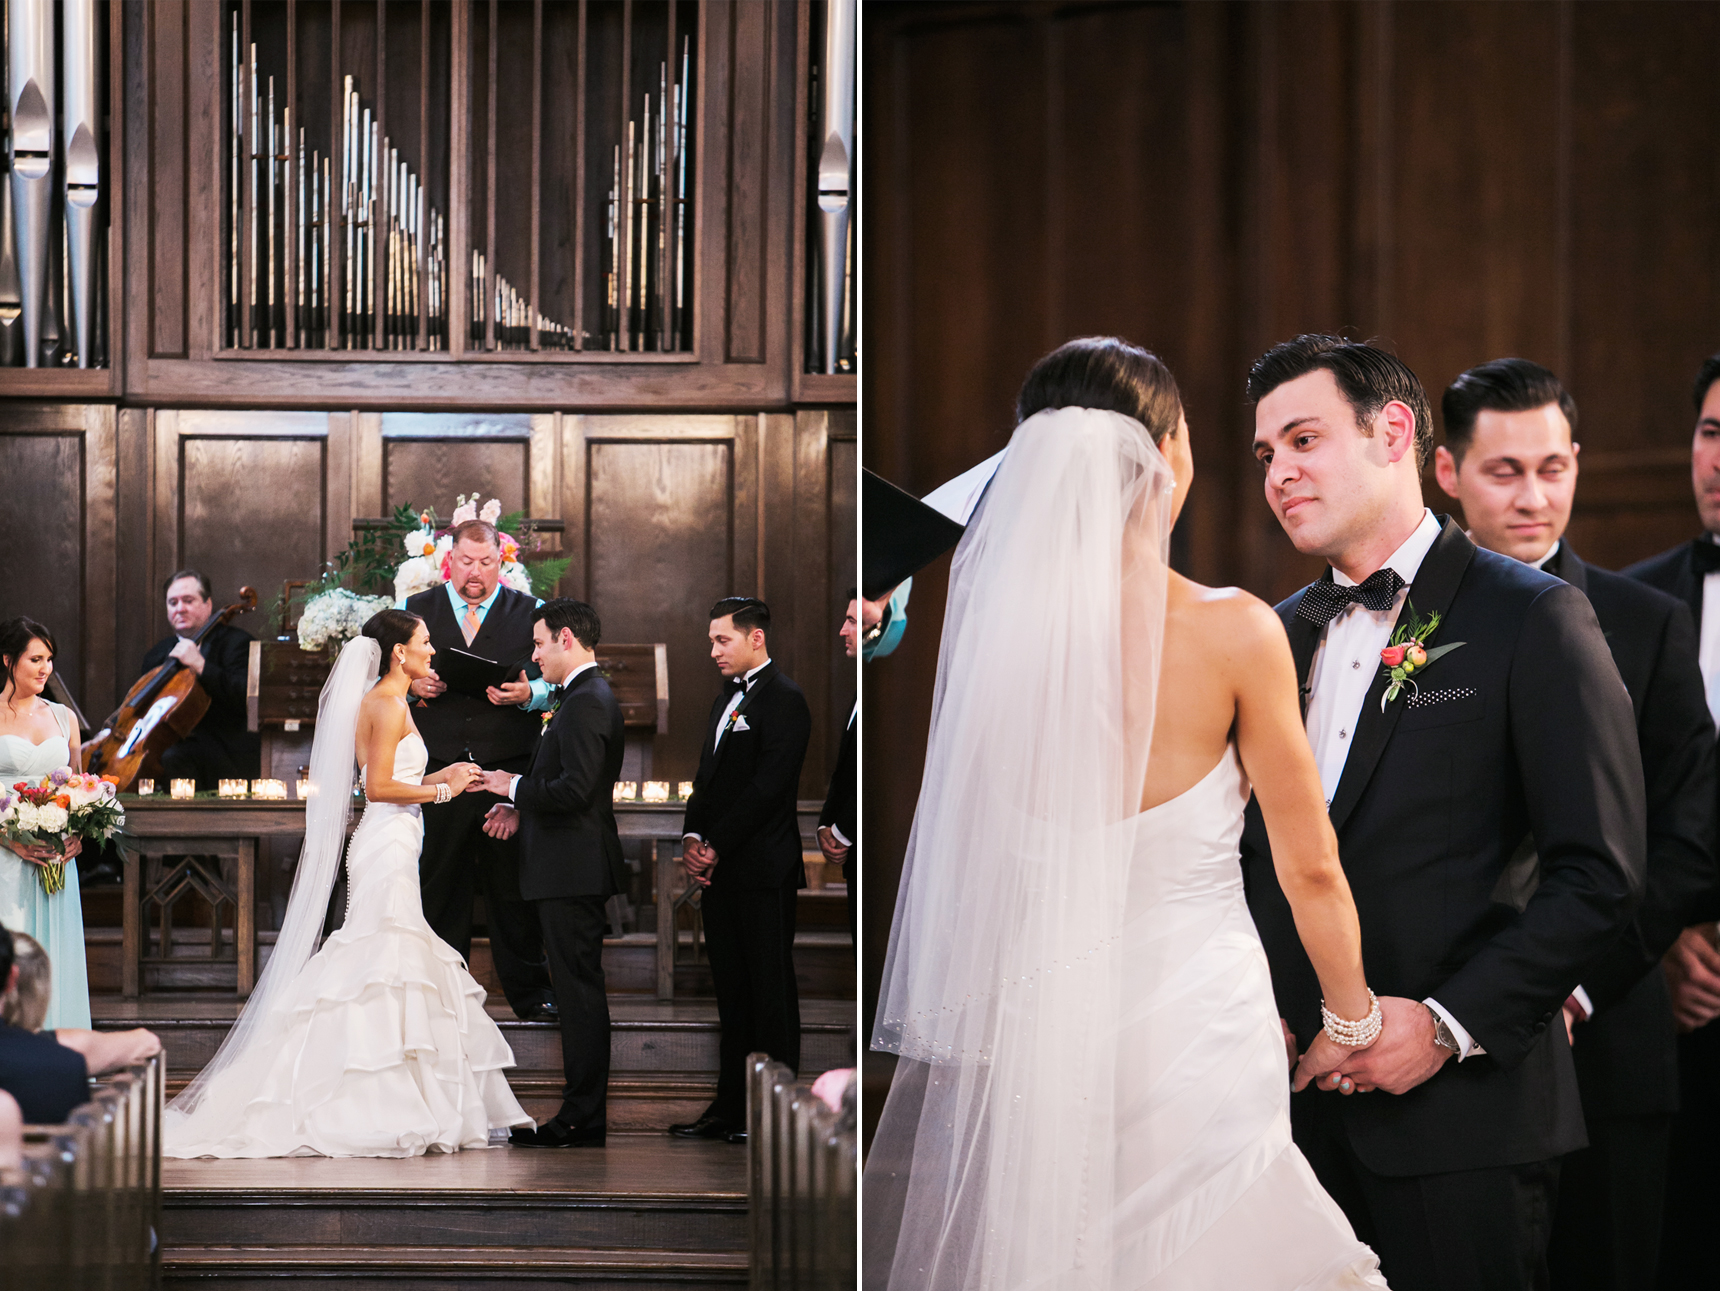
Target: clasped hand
42 854
1405 1055
700 858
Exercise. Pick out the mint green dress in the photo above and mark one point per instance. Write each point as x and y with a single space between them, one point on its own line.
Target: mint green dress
56 921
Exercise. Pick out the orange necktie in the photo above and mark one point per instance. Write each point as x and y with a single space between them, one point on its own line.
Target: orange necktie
470 625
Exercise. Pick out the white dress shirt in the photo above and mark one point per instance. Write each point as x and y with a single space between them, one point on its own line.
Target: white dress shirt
565 683
1345 665
1708 651
728 712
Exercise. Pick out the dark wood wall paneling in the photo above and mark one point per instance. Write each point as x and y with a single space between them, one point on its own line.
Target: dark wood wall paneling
1463 180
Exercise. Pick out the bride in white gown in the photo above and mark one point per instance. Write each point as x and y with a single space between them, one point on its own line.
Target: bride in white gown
377 1044
1093 1086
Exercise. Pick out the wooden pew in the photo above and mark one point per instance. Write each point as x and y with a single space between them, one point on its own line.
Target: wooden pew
803 1166
83 1212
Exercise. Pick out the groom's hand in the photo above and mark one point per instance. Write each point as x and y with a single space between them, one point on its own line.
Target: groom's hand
1406 1053
495 782
1693 972
501 822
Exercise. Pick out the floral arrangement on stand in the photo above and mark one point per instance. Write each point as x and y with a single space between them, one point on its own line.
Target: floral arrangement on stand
57 808
355 584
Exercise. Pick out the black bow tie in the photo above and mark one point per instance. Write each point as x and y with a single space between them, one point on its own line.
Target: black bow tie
1325 600
738 684
1704 556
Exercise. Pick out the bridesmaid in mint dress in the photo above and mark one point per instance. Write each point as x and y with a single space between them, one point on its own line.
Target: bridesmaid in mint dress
37 738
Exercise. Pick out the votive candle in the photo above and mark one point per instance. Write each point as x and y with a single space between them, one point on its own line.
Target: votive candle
684 789
626 790
145 788
656 791
184 788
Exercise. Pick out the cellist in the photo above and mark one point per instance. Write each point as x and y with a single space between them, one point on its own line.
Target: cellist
220 746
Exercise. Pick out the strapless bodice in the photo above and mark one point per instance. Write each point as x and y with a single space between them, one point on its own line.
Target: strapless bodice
410 758
22 760
1189 845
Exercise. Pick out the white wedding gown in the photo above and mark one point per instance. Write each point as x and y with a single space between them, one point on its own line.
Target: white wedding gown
1210 1192
384 1047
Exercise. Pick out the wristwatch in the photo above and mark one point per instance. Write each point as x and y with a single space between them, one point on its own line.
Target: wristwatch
1442 1035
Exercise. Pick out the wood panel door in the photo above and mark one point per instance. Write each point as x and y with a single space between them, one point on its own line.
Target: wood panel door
58 523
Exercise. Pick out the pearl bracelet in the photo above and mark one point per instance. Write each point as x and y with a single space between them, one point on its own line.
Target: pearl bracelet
1353 1035
443 793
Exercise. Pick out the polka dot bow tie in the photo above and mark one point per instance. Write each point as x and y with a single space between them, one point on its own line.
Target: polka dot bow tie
1325 600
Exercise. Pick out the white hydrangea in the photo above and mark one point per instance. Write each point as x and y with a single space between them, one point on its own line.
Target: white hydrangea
51 817
416 575
336 616
25 816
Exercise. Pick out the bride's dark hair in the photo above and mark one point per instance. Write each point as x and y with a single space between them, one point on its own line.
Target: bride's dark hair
1104 372
389 628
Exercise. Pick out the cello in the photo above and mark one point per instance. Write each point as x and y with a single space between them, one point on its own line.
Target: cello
162 708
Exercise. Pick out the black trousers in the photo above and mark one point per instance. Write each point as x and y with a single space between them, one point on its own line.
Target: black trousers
458 860
749 936
1606 1234
1466 1230
1689 1257
573 937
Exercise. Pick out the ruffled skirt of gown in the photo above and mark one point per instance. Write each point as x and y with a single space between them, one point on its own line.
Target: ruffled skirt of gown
385 1049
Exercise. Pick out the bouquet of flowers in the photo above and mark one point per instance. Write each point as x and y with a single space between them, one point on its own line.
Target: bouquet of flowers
336 616
60 806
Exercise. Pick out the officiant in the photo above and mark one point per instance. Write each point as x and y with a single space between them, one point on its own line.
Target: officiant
494 725
221 746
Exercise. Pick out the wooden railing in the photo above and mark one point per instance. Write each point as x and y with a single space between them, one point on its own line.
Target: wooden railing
84 1210
803 1164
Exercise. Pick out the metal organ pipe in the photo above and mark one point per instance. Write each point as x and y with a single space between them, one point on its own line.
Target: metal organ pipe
835 170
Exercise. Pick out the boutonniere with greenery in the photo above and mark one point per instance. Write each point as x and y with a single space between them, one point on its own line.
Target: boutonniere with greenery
550 712
1408 653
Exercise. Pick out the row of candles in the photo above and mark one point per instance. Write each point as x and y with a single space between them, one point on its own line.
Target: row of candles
270 790
276 790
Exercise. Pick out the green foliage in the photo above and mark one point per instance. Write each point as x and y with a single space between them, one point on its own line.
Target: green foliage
546 573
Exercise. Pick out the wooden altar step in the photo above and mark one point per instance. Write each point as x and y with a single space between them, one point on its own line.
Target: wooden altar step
642 1213
663 1055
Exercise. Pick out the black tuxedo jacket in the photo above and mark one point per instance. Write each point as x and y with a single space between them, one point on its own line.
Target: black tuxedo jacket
1673 573
744 796
226 669
1522 738
841 804
569 846
1626 1060
457 726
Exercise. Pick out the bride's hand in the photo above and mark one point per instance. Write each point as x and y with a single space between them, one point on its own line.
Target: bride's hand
459 775
1324 1059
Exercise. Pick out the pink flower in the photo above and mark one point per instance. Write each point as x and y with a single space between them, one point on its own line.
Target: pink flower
1392 656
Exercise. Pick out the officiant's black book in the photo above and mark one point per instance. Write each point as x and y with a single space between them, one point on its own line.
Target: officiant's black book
902 535
468 673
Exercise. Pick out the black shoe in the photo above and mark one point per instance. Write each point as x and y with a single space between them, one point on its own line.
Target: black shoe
553 1134
706 1127
736 1136
546 1012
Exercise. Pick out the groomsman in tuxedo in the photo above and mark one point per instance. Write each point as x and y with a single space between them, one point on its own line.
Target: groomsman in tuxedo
221 746
838 823
562 807
1521 735
1510 458
473 612
742 844
1691 572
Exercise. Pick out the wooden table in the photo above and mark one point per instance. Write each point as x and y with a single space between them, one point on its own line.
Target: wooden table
160 825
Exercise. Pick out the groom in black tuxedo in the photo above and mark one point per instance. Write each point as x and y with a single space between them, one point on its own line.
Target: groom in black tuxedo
742 844
1521 737
570 855
1510 457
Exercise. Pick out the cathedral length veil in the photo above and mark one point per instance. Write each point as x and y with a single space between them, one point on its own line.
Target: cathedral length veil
332 771
993 1163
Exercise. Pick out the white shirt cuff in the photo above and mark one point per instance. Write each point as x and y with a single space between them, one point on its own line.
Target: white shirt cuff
837 835
697 838
1466 1046
1584 1002
512 785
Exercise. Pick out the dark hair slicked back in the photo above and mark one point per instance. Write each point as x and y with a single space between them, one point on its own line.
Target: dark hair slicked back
389 628
1368 377
1706 376
576 616
1108 373
749 612
1500 385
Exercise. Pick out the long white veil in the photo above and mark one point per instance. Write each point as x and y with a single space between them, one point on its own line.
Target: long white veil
993 1162
332 770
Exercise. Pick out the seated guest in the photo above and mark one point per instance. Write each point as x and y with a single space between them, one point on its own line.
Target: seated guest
11 1133
25 1004
46 1077
220 747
